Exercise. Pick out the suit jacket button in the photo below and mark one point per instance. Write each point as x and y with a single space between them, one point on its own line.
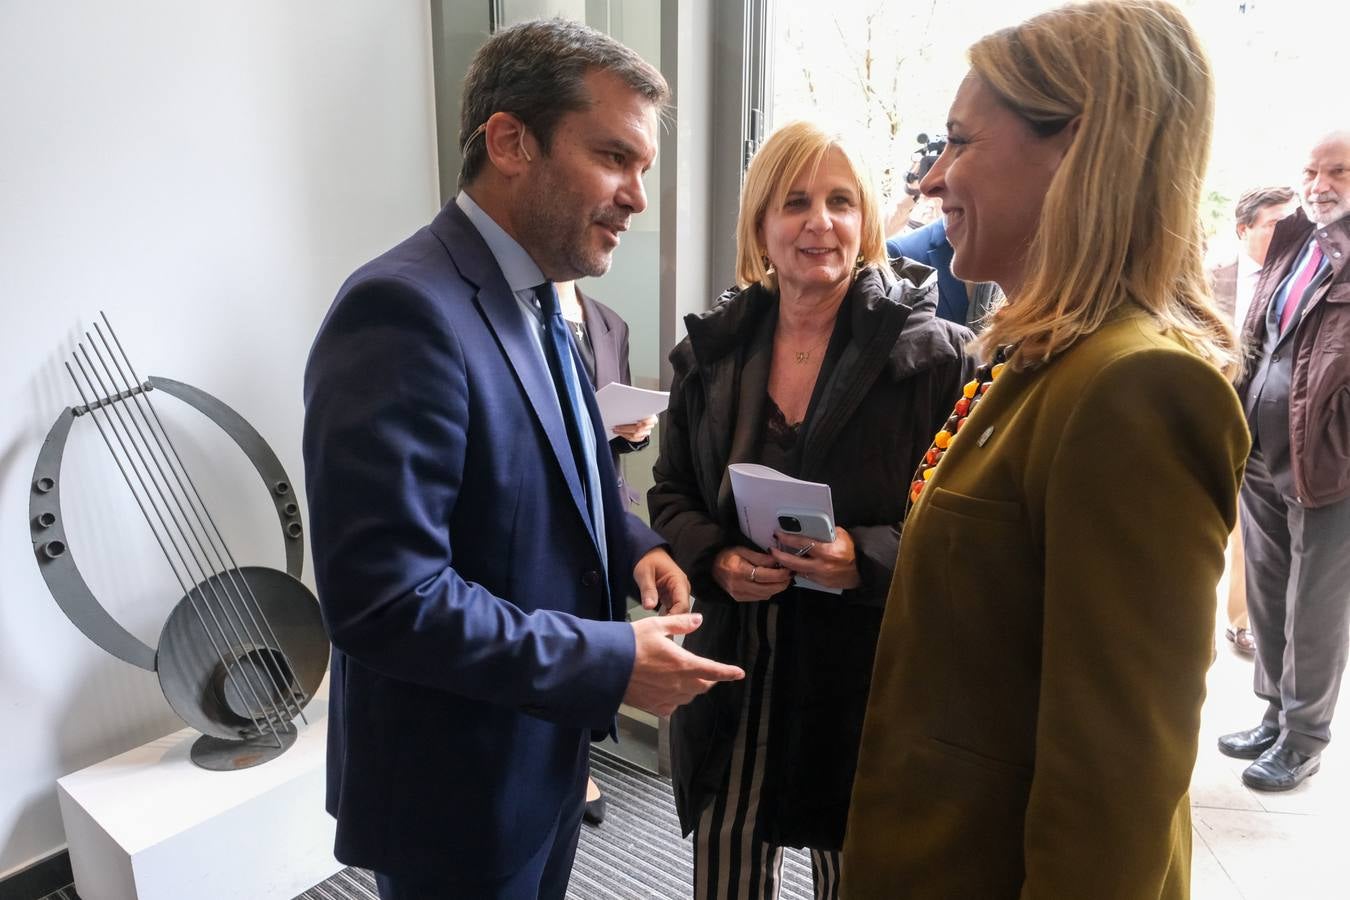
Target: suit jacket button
590 578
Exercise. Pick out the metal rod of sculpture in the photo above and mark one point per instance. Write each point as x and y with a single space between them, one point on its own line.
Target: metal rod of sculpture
211 537
194 594
241 613
298 697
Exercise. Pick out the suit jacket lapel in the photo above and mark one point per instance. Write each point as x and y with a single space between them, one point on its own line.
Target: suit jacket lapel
602 342
504 317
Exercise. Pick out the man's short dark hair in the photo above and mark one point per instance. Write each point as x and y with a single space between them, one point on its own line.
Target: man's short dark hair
1250 204
536 71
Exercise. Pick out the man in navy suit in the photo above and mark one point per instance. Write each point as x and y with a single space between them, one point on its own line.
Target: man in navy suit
470 546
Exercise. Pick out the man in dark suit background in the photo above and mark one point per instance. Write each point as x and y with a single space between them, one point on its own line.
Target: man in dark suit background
1296 491
471 549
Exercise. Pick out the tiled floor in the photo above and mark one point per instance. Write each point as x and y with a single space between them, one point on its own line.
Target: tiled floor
1250 844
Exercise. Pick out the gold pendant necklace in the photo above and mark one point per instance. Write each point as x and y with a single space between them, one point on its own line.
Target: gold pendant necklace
801 357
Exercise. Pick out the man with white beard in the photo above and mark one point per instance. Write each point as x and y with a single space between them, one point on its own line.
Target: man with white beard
1296 494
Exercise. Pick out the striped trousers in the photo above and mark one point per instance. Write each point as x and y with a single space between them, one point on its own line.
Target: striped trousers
732 859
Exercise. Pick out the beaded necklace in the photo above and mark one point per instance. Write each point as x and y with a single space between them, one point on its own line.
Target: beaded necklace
971 395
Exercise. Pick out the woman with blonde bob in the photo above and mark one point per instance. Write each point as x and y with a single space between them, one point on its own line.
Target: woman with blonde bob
1035 706
824 365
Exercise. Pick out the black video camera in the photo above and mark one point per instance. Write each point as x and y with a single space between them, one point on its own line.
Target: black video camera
929 150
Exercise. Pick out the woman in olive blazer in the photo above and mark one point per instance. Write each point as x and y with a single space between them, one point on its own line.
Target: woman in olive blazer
1035 704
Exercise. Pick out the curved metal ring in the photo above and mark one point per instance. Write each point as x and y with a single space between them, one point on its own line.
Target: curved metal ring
52 549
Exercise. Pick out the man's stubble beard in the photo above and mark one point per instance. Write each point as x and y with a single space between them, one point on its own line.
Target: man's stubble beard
554 231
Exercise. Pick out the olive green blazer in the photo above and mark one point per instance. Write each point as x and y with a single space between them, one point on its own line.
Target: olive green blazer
1035 703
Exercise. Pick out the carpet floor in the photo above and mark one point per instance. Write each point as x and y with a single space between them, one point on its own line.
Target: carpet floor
637 854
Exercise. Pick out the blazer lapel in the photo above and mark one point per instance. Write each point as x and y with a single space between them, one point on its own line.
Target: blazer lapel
602 342
505 318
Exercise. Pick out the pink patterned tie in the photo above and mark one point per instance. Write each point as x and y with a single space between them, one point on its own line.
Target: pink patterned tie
1301 282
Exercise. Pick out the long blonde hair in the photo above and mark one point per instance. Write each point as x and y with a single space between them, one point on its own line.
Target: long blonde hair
792 149
1120 222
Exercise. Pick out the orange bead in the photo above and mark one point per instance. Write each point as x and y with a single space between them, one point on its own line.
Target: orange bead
998 370
942 439
970 389
928 473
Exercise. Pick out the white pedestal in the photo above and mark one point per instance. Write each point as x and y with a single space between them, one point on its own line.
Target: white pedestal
150 825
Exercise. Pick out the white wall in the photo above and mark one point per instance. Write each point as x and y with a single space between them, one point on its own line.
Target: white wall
207 174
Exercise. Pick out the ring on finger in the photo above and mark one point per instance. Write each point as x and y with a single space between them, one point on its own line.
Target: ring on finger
753 570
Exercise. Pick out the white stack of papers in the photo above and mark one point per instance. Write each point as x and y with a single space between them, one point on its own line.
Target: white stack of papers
622 404
763 495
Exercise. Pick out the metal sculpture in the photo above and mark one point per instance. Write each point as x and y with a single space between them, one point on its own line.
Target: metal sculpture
244 649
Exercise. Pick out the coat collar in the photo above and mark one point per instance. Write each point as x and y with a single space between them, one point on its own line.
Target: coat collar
871 302
880 312
1291 234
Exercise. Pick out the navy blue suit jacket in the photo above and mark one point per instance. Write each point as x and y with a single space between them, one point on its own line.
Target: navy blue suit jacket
476 645
929 246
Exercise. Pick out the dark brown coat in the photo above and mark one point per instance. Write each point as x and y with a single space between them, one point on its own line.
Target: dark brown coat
1319 399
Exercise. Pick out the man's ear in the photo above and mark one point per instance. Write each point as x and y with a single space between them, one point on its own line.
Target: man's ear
504 137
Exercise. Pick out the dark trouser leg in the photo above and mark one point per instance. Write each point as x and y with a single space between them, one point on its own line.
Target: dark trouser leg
1265 538
543 877
1317 624
557 869
1298 595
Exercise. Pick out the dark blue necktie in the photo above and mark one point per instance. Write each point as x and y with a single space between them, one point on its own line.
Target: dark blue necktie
558 349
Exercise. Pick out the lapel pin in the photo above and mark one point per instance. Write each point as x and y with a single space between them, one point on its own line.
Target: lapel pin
985 437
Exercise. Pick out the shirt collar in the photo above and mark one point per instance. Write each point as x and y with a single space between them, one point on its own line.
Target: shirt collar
521 272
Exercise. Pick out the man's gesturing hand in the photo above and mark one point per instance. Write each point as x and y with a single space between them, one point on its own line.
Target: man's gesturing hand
661 583
666 675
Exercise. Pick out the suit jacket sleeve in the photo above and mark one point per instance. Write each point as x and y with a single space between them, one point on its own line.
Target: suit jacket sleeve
619 328
384 468
1140 498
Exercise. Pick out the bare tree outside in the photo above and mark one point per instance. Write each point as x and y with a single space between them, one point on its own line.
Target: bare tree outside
885 71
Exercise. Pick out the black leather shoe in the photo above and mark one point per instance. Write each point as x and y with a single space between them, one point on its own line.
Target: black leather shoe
594 812
1281 769
1249 744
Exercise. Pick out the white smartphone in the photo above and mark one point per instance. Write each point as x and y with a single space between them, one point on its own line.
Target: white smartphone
808 523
